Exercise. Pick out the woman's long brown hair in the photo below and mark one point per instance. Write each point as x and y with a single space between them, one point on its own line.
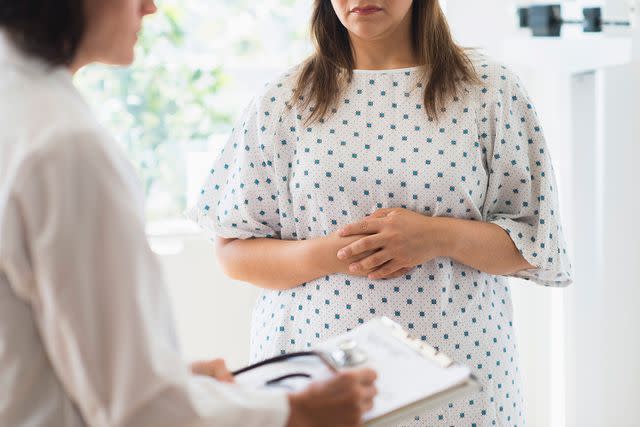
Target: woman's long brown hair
322 77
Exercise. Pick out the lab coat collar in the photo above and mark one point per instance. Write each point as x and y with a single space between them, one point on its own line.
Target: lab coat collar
12 56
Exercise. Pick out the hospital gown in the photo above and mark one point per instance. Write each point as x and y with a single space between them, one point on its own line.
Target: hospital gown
484 158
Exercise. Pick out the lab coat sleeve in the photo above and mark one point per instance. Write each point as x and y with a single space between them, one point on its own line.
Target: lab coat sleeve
100 300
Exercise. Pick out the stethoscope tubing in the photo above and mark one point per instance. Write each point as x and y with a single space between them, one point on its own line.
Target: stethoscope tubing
283 357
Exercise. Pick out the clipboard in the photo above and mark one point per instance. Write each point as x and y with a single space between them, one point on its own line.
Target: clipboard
413 377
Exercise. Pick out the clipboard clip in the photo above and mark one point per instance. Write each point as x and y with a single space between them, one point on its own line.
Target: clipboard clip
421 347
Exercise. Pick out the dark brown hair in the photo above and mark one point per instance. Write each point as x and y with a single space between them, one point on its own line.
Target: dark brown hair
322 77
48 29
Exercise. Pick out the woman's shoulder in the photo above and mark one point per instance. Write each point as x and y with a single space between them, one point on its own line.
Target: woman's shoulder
277 94
496 80
494 76
270 106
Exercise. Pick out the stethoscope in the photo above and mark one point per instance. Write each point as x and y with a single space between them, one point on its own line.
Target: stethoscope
347 355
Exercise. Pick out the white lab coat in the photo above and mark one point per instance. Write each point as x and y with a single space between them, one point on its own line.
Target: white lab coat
86 333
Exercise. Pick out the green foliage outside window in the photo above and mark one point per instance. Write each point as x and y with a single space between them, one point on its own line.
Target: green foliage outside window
179 91
156 107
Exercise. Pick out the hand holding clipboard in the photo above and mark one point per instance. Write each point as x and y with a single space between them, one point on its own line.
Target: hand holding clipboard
412 376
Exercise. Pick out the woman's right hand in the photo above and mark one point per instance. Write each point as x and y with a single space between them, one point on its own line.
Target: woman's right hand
327 249
339 402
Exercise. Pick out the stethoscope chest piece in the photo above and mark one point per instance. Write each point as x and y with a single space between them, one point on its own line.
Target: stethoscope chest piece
348 355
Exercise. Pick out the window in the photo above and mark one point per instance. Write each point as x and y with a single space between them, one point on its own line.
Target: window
198 63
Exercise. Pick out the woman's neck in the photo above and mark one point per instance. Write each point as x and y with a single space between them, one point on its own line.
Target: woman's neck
389 52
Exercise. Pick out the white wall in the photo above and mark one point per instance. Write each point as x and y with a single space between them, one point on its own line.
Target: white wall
213 312
603 319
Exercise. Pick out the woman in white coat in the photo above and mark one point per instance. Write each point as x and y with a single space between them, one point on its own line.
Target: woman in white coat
86 336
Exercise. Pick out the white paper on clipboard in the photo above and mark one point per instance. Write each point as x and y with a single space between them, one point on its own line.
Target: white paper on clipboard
412 376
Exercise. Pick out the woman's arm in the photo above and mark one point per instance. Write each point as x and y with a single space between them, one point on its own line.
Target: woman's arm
284 264
481 245
273 263
404 239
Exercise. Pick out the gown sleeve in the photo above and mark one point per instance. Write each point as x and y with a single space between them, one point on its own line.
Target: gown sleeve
240 195
522 195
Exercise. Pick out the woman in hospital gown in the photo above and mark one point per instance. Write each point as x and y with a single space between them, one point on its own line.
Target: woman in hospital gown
483 161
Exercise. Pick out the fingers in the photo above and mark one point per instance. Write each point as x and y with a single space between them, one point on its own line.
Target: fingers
366 376
340 401
399 273
223 373
359 247
371 262
359 386
365 226
368 397
366 391
386 270
213 368
355 379
381 213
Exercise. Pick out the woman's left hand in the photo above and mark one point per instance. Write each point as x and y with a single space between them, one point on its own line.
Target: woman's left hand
212 368
401 238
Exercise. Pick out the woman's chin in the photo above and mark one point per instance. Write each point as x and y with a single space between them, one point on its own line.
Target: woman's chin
369 32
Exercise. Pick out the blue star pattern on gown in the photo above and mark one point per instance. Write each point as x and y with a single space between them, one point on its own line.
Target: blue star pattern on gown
484 158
